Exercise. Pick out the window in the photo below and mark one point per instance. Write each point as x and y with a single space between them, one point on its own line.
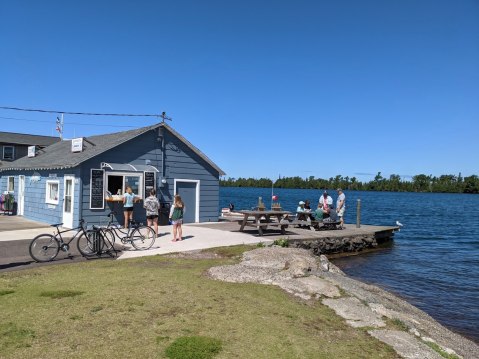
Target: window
11 184
116 182
8 152
53 192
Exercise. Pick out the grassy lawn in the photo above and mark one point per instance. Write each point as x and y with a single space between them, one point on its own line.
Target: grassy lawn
136 308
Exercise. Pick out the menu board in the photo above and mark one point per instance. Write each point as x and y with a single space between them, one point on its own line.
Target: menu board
97 189
149 182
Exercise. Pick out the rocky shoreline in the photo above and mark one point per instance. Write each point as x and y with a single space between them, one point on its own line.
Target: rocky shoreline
308 277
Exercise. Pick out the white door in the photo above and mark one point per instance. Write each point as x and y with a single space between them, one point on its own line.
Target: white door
21 195
68 201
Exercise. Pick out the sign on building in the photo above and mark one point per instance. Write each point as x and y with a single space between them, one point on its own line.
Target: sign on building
31 151
77 144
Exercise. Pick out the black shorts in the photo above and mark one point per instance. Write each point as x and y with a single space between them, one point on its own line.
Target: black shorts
128 209
153 216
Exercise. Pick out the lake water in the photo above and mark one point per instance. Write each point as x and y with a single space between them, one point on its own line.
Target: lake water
434 260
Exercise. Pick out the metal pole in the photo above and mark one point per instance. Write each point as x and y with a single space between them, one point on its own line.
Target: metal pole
358 216
61 133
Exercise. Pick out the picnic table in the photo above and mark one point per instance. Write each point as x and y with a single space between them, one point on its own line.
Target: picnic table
308 221
263 219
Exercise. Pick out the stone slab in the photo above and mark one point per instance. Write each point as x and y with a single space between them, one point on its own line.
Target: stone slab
356 313
405 344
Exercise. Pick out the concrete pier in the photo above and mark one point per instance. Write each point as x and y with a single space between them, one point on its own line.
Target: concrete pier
351 239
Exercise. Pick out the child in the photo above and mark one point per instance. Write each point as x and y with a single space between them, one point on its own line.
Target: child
176 216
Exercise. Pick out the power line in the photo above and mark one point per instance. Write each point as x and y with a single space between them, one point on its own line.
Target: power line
69 123
75 113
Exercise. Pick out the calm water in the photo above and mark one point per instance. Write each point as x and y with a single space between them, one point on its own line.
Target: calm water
434 260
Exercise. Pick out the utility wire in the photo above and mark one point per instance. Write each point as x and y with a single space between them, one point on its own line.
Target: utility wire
69 123
75 113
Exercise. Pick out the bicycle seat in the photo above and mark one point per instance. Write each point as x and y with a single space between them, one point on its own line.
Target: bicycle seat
132 221
112 212
56 225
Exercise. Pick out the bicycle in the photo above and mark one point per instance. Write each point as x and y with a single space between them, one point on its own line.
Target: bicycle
141 237
45 247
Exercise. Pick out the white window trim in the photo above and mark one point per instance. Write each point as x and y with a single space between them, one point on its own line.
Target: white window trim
48 200
8 184
129 174
197 209
13 153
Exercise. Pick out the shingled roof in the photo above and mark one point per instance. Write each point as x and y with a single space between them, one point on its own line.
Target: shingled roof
27 140
59 155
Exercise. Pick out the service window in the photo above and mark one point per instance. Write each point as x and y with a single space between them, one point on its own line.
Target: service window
11 184
53 190
8 152
117 183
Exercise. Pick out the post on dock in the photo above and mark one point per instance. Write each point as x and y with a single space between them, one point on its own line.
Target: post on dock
358 215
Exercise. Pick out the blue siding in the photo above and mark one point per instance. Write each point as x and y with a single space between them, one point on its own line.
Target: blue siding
182 163
35 194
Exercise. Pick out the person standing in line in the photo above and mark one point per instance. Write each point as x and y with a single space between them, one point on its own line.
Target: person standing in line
341 206
128 200
151 206
176 217
326 200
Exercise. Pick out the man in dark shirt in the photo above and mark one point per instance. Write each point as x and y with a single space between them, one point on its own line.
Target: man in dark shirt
333 216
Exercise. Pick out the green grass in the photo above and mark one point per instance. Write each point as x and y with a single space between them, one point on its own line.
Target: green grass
397 324
194 347
170 298
439 350
5 292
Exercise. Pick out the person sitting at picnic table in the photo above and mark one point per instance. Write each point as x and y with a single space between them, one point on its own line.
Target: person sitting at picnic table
307 207
301 217
333 216
318 214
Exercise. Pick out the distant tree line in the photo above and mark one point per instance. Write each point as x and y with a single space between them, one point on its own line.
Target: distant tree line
418 183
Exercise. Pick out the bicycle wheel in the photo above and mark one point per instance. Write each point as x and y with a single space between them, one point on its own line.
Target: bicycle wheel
44 248
109 240
90 243
143 237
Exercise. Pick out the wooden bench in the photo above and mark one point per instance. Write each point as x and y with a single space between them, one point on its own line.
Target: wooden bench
329 225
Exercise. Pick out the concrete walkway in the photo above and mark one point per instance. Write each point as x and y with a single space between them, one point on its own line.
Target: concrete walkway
195 237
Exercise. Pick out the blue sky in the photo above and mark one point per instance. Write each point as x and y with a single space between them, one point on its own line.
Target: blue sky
308 88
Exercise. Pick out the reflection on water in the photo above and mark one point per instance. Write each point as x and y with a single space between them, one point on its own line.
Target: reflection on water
432 263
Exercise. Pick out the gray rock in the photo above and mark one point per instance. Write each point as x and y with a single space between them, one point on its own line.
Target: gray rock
356 313
405 344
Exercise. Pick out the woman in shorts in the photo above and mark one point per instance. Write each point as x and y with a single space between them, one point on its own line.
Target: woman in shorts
128 200
151 206
176 217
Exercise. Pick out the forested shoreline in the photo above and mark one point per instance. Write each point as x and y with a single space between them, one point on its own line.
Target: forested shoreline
418 183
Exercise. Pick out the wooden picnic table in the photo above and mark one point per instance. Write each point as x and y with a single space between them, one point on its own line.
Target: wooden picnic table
309 221
262 224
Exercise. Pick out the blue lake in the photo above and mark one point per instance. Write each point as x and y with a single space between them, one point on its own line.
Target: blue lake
434 260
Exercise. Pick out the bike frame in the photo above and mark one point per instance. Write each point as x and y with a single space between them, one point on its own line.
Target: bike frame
59 234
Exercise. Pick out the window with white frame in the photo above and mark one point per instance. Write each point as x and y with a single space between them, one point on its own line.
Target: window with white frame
11 184
116 182
8 152
53 192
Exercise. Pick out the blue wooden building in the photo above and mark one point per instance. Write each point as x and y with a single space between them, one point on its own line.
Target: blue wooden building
73 179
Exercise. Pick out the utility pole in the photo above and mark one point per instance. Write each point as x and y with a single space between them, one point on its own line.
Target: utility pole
164 117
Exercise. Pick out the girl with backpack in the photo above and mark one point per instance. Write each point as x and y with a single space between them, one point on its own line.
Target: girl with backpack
176 217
